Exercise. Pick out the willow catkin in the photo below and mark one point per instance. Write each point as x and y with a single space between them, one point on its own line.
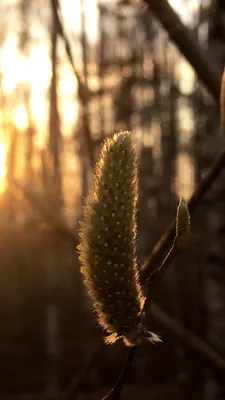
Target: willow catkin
108 245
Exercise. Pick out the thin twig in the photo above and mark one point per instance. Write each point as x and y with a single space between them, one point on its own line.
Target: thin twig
154 279
114 394
189 338
128 363
166 239
222 104
152 284
61 31
203 64
82 90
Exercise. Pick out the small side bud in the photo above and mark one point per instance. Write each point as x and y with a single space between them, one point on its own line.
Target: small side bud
222 104
182 226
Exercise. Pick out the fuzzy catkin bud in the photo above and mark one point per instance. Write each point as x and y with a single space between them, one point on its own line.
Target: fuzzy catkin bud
108 246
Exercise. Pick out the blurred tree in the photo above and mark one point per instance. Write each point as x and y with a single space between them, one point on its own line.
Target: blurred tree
215 283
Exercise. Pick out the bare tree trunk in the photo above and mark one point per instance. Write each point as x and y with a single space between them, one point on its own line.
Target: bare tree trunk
30 133
53 194
54 123
101 70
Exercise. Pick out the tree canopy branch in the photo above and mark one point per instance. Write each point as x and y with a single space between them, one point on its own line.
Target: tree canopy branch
203 64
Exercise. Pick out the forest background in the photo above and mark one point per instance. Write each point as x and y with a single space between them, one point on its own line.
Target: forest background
72 74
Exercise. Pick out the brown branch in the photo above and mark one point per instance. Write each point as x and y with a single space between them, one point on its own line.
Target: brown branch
189 338
152 284
82 90
61 31
114 394
154 279
201 347
55 135
222 104
203 64
165 241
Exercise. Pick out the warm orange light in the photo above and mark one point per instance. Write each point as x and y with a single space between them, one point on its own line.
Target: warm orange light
20 118
188 5
184 180
3 168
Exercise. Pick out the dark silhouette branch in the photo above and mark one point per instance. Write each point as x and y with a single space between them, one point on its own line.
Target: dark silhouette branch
189 338
154 279
152 262
152 284
55 135
82 90
203 64
127 366
61 31
201 347
128 363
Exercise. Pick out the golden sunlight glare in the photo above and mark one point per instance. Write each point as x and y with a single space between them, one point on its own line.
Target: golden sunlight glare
20 71
20 118
3 168
186 9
